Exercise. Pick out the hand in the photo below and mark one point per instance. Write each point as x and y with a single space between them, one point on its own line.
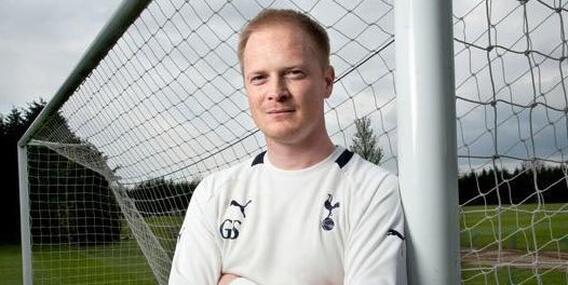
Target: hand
226 278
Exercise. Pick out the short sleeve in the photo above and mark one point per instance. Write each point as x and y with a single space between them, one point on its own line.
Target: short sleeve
197 258
376 249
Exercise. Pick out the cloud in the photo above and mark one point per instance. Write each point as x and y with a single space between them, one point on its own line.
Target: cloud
41 43
176 105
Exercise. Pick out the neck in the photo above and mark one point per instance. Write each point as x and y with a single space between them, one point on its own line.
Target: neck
293 156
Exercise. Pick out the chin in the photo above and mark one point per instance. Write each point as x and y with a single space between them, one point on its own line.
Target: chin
283 135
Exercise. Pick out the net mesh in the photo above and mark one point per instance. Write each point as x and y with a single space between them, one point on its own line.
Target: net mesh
512 139
112 172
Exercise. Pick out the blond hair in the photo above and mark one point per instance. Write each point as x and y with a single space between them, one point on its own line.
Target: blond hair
269 17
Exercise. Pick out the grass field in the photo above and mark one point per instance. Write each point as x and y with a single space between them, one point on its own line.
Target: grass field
526 227
120 263
513 276
10 265
522 230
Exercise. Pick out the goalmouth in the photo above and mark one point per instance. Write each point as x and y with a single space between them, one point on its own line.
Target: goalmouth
467 101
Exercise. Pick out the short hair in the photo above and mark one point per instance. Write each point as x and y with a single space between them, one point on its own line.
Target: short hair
269 17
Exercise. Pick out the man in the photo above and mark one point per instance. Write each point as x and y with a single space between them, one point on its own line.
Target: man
304 211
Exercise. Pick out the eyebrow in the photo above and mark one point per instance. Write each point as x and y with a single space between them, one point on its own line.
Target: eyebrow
253 73
286 68
301 66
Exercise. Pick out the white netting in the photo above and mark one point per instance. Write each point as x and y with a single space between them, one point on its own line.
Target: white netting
512 138
111 174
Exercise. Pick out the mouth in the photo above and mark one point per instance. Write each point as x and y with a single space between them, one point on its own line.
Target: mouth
280 111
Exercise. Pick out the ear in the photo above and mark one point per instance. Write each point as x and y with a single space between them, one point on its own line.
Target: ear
329 77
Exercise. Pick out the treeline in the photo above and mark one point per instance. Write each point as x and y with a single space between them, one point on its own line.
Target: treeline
525 184
158 197
69 203
12 127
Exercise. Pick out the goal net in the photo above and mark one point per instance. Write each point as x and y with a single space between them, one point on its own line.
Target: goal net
111 170
511 104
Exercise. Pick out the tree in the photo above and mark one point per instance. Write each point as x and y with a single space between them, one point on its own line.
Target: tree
12 127
159 196
535 164
70 203
74 203
15 120
33 110
365 141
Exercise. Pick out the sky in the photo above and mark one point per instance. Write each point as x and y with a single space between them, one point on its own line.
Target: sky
199 88
41 42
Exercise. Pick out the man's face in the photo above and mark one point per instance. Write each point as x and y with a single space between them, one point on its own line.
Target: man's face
286 83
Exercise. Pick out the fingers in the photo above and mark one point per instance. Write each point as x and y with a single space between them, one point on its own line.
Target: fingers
226 278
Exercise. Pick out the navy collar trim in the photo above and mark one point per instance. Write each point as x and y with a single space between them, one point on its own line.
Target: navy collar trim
259 159
342 160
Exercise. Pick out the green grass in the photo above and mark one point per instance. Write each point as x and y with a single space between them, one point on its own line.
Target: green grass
526 228
523 229
511 275
10 265
120 263
166 229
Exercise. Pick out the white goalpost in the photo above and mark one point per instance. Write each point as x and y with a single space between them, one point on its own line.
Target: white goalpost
467 100
427 158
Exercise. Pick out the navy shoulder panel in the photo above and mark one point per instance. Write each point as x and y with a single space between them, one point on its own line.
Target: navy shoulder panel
344 158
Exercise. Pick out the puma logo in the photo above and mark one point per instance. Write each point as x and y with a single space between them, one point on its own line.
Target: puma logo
241 207
392 232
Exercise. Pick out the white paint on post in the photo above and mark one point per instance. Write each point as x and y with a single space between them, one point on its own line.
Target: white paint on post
427 154
25 229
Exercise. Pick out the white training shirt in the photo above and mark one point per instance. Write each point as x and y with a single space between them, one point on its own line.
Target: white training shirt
337 222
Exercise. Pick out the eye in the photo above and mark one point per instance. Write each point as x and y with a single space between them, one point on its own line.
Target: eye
296 74
257 79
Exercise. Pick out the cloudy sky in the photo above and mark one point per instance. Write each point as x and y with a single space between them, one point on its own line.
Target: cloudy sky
41 42
185 78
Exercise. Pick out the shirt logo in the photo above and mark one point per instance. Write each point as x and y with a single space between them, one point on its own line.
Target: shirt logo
241 207
392 232
328 224
230 228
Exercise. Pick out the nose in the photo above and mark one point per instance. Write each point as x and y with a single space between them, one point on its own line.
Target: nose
278 90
